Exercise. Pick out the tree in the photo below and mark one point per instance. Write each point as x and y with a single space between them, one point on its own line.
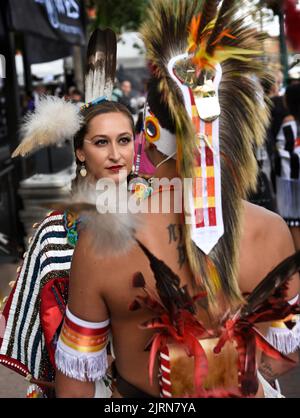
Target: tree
119 15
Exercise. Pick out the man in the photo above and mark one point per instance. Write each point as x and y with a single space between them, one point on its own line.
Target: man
127 97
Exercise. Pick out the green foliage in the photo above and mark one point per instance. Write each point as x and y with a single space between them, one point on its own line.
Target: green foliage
119 15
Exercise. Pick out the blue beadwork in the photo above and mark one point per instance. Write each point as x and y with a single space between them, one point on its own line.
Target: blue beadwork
94 102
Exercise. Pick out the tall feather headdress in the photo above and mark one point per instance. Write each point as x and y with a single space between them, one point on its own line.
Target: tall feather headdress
56 119
184 36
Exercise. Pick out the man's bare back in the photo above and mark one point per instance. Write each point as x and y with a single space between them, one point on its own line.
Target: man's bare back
104 287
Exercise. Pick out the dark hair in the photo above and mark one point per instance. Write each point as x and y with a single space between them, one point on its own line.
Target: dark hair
89 114
292 96
77 92
158 106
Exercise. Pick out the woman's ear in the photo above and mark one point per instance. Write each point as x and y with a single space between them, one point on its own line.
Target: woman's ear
80 155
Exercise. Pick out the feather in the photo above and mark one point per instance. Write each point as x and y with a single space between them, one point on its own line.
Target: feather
101 65
208 13
138 280
53 121
273 285
111 227
227 9
105 216
168 287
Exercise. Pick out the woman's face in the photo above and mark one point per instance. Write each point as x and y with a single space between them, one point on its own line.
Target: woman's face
108 147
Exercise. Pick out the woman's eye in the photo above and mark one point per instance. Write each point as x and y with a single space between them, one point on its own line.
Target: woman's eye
100 142
125 140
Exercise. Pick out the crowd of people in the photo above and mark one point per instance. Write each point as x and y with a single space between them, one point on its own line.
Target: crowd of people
122 93
200 301
278 158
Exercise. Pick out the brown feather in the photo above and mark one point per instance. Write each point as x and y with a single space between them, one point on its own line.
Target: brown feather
228 7
208 13
276 282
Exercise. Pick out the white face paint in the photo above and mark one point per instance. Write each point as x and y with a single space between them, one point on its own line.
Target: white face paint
163 139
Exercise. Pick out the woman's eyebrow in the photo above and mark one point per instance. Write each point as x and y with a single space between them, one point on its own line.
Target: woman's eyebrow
125 133
108 137
99 136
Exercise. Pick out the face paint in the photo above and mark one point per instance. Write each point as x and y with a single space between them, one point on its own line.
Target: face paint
145 164
164 140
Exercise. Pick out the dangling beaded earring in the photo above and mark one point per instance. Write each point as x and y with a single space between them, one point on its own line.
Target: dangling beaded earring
83 171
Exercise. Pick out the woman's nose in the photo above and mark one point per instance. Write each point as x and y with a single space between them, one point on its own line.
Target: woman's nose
114 153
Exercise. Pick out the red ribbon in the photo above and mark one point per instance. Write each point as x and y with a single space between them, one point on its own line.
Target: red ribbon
187 335
247 338
52 311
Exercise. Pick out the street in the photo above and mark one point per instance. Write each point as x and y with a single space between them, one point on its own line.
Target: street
13 385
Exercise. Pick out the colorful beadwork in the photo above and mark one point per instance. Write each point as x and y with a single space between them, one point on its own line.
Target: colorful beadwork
71 225
93 102
140 187
34 391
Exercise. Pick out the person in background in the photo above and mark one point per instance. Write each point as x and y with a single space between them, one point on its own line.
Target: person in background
127 98
27 102
76 96
38 92
264 194
287 163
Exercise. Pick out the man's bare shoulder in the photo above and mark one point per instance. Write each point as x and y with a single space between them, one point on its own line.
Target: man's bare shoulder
264 224
91 251
265 242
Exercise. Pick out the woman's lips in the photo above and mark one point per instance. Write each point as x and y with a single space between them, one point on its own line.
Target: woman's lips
115 168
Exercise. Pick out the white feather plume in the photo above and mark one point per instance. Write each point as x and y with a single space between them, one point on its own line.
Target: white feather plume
53 121
112 232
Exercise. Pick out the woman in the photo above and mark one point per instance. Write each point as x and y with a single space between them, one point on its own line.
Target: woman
104 146
287 164
103 133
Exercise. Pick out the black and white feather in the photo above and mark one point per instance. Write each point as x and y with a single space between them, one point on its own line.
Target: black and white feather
101 65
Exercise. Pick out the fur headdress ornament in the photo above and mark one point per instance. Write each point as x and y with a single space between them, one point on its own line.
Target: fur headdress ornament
206 66
56 119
